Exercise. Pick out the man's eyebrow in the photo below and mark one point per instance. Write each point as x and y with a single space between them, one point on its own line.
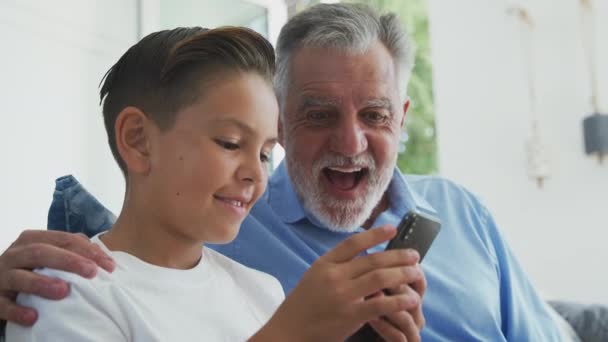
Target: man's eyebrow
382 102
315 101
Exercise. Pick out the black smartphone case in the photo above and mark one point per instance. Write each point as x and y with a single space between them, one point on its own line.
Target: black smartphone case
416 230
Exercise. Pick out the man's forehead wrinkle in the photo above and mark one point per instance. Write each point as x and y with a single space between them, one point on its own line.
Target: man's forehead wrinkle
315 100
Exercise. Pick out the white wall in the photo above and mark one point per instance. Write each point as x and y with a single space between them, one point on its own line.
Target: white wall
560 231
54 55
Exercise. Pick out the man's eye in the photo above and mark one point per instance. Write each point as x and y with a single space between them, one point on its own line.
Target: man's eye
374 117
318 115
227 144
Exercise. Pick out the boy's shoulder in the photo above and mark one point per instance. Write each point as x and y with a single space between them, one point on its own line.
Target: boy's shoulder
102 279
242 274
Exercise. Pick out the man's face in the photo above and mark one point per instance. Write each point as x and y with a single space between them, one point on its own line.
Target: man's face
340 127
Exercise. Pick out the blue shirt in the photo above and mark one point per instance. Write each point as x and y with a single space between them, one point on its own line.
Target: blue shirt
476 289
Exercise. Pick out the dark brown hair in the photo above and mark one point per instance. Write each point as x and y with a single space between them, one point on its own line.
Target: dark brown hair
166 70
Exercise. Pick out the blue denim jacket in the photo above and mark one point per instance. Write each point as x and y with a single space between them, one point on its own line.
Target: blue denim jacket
75 210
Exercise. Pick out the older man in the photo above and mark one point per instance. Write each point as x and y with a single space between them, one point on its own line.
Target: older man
341 84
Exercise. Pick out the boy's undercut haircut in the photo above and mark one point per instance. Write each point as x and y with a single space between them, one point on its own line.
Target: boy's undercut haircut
168 70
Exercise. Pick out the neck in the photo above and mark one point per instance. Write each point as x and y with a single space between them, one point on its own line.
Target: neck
382 206
138 232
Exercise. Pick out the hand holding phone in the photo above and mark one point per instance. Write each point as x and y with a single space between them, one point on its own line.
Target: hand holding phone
417 231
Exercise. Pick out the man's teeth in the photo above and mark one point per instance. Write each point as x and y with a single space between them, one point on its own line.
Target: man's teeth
345 169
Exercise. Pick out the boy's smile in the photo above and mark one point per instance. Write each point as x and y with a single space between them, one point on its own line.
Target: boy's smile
238 204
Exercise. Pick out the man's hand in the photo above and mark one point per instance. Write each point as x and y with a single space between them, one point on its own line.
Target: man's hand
332 300
42 248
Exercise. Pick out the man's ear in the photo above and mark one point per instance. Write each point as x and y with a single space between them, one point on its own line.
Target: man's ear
406 106
133 139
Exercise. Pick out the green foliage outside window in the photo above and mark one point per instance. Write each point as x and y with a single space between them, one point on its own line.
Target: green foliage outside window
420 155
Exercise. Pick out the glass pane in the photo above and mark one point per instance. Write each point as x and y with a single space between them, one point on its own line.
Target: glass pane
213 13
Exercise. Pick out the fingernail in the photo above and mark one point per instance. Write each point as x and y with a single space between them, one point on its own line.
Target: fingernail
28 317
58 288
388 228
412 301
412 253
89 270
107 264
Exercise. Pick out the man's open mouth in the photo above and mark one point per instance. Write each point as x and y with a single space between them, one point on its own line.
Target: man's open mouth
345 178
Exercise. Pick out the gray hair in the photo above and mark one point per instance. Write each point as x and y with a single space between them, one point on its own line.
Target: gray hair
351 28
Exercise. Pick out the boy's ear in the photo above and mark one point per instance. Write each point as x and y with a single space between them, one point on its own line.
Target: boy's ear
133 139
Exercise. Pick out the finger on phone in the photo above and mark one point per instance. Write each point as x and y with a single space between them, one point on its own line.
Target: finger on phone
420 284
12 312
44 255
25 281
380 279
354 245
383 305
393 258
386 330
404 323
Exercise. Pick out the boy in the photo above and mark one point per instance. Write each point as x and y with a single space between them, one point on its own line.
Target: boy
191 119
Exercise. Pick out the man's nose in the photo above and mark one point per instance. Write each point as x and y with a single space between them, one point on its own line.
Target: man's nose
349 138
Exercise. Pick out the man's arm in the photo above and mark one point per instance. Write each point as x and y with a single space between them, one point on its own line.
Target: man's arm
525 315
36 249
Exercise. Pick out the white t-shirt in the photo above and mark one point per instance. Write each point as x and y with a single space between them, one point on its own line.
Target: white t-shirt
218 300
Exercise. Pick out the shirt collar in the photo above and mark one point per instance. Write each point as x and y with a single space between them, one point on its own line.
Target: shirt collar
284 200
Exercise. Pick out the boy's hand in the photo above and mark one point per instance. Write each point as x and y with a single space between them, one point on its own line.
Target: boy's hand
409 322
43 248
329 303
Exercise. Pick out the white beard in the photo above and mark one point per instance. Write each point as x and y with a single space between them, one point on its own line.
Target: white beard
338 214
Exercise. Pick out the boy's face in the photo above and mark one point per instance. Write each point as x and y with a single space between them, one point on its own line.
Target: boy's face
212 165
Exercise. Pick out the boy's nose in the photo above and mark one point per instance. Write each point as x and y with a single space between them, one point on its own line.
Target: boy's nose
253 170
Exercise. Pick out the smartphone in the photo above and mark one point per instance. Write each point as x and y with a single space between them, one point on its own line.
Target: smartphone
416 230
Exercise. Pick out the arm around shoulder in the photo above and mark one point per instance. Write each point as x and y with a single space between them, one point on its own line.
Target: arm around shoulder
86 314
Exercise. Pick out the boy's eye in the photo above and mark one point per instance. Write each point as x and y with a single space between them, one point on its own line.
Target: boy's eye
265 158
227 144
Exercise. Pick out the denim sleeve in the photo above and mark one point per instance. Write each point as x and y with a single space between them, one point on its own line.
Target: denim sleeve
75 210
